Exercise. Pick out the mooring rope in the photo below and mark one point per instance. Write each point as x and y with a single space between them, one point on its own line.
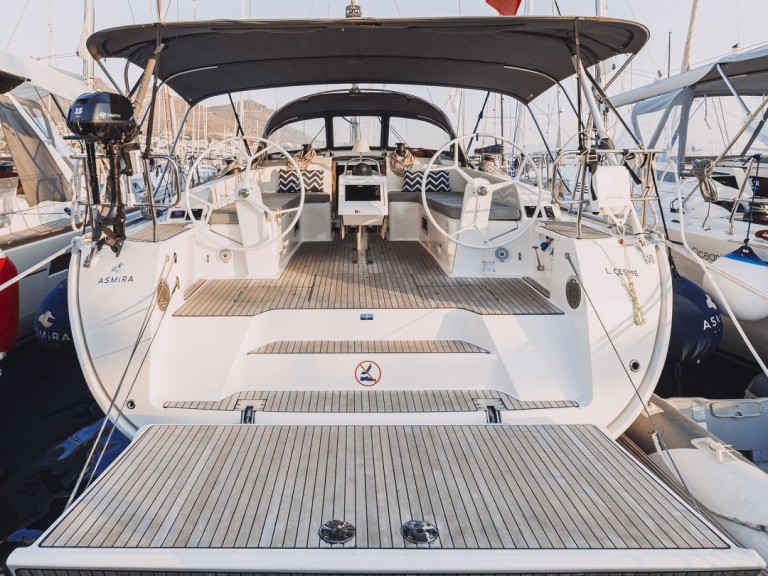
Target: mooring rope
303 159
400 163
636 392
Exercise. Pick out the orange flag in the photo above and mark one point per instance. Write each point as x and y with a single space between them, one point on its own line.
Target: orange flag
505 7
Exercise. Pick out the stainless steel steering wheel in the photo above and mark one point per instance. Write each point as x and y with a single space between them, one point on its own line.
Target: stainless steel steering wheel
478 199
246 191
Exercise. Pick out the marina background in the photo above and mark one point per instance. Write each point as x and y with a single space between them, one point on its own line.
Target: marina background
52 32
47 416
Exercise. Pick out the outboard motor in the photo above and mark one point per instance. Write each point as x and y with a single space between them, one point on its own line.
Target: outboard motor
108 119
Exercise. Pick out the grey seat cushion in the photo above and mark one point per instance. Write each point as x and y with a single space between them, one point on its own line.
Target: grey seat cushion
449 204
272 200
286 200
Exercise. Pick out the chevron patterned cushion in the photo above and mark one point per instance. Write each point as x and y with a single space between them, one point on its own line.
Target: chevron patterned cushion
437 181
288 181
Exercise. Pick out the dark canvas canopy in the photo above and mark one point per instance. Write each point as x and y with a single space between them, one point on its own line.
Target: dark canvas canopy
518 56
357 103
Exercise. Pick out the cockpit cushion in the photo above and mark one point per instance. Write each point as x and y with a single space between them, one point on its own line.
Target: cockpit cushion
288 180
437 181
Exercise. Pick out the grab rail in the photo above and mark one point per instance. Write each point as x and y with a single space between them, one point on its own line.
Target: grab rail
640 164
78 185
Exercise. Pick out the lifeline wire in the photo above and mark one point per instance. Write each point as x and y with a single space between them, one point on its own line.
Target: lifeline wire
113 402
120 412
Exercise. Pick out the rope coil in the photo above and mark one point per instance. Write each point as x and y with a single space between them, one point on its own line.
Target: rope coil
401 162
702 169
490 164
302 158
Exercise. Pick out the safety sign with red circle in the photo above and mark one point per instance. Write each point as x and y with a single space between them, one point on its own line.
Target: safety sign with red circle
367 373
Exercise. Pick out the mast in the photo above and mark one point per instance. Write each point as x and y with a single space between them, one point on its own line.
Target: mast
686 65
600 12
160 11
88 28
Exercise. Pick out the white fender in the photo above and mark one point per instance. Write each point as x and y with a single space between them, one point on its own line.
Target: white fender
725 484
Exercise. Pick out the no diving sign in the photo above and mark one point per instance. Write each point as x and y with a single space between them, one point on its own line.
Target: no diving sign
367 373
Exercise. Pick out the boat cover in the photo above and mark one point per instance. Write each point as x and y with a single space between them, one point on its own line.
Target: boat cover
518 56
40 172
747 71
34 80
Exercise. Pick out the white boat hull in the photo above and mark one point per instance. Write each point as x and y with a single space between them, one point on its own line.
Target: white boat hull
708 244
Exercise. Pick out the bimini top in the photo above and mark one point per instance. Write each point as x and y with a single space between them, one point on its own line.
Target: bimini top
357 103
747 72
519 56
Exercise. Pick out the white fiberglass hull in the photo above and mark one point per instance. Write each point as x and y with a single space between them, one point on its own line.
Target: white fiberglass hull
709 240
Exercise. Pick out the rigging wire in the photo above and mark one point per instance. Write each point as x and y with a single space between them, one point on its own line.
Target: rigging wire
135 378
113 401
17 25
657 433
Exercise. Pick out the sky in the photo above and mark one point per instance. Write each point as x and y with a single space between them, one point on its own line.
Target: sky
40 28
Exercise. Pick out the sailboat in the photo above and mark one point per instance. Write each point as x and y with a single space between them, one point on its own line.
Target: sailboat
713 185
37 219
355 352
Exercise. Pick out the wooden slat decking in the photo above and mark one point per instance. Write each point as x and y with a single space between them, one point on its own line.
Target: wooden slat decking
35 233
569 229
369 347
164 232
484 487
321 275
373 401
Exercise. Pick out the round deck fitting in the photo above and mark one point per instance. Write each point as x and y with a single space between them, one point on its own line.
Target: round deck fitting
419 532
337 531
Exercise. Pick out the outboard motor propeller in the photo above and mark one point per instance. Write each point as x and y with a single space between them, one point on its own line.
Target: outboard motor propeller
108 119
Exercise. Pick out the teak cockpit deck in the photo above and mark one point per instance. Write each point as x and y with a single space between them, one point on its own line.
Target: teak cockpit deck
402 275
258 496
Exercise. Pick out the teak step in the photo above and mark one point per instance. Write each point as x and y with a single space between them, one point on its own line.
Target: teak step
369 347
373 401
